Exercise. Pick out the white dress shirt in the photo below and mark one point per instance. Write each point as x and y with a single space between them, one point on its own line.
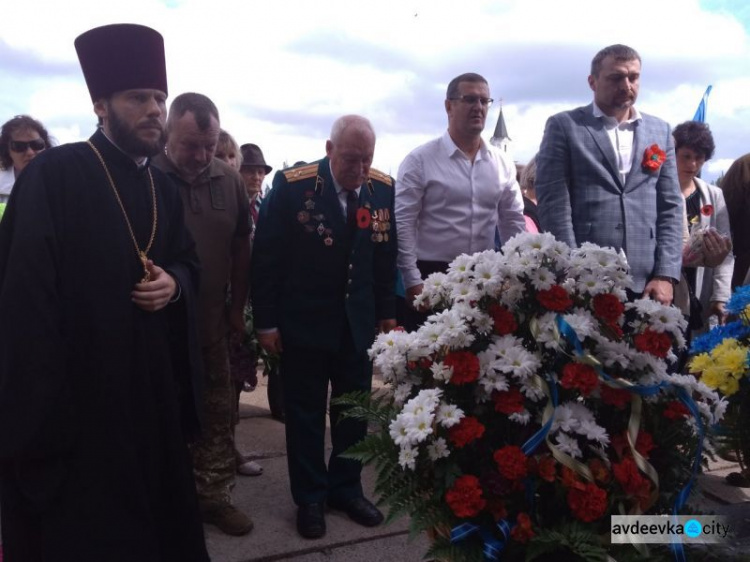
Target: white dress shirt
621 136
447 206
7 179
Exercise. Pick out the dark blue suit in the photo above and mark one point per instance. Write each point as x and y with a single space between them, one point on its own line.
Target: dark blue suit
324 287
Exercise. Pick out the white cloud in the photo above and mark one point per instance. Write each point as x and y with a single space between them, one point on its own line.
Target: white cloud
281 71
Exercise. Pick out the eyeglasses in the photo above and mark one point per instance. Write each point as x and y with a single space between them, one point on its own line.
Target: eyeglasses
36 145
471 100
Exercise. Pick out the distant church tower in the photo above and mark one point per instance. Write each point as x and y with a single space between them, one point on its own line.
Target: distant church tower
500 137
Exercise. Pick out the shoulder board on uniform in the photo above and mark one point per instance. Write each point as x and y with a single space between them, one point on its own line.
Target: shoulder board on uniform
301 172
381 177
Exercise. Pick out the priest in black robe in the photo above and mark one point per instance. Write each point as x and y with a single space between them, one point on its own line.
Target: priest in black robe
99 370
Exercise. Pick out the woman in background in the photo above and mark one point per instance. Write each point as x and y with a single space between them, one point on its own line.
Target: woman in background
21 139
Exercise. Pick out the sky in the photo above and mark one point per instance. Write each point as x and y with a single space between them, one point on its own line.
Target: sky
281 71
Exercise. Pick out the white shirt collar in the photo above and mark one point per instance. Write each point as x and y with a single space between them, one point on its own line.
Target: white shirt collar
338 187
635 115
451 148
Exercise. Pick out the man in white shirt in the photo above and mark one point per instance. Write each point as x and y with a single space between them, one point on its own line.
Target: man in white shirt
606 174
454 192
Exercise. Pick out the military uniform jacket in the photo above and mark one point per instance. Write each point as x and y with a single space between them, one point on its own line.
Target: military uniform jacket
311 278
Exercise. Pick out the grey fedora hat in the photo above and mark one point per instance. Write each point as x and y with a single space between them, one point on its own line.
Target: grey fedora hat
252 155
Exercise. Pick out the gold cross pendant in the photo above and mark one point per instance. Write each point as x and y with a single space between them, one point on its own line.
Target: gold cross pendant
146 272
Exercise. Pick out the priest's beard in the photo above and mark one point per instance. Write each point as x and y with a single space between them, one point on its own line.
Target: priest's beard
126 138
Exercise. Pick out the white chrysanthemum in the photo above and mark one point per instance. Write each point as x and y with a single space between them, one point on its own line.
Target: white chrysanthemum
522 418
612 354
544 329
464 292
461 266
440 372
568 445
591 284
402 392
512 293
542 278
582 322
483 323
521 363
438 449
407 457
564 419
398 431
419 426
593 432
531 390
448 415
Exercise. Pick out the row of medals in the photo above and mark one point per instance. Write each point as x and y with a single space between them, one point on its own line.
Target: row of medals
380 225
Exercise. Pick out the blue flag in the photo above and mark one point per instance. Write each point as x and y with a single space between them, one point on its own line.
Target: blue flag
700 113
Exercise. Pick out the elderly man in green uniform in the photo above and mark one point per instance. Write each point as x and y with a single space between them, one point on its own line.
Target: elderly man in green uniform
323 280
97 277
218 216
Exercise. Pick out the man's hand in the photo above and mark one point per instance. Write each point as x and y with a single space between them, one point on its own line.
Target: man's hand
271 342
155 294
385 326
715 248
412 293
660 289
717 308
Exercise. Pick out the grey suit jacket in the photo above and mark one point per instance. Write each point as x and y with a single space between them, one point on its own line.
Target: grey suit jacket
582 199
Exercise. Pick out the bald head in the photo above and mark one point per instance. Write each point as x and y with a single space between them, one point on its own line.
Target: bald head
350 150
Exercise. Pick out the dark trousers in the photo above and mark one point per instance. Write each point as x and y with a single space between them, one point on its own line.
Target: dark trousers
413 319
306 374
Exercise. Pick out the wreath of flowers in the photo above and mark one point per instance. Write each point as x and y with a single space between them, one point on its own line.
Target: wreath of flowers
534 403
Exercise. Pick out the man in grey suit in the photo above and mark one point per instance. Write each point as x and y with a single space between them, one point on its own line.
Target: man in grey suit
606 174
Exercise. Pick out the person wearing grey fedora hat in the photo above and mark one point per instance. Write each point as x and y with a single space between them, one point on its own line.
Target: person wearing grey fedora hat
253 171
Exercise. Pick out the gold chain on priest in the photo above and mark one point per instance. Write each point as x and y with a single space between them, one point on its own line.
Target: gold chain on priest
142 254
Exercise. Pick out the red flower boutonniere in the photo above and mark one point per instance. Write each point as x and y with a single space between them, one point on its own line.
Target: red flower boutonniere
363 218
653 158
707 210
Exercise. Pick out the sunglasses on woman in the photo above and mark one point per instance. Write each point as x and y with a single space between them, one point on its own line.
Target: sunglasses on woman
21 146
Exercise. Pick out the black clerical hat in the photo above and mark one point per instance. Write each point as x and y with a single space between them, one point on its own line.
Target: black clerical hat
122 56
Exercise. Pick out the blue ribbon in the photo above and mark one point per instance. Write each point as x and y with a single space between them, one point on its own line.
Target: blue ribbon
569 334
535 440
491 547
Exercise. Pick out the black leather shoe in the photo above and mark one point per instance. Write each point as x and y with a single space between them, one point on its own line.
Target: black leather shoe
311 522
360 510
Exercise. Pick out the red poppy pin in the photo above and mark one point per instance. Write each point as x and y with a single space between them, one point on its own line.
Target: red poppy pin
363 218
653 158
707 210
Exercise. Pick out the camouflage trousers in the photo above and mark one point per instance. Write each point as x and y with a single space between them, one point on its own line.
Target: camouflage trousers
213 453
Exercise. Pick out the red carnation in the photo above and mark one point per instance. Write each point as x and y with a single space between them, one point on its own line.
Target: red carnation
676 410
522 532
363 218
465 496
599 470
511 462
579 376
707 210
653 158
505 322
555 298
508 401
617 397
465 366
467 430
608 308
546 468
631 480
653 342
645 443
587 503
